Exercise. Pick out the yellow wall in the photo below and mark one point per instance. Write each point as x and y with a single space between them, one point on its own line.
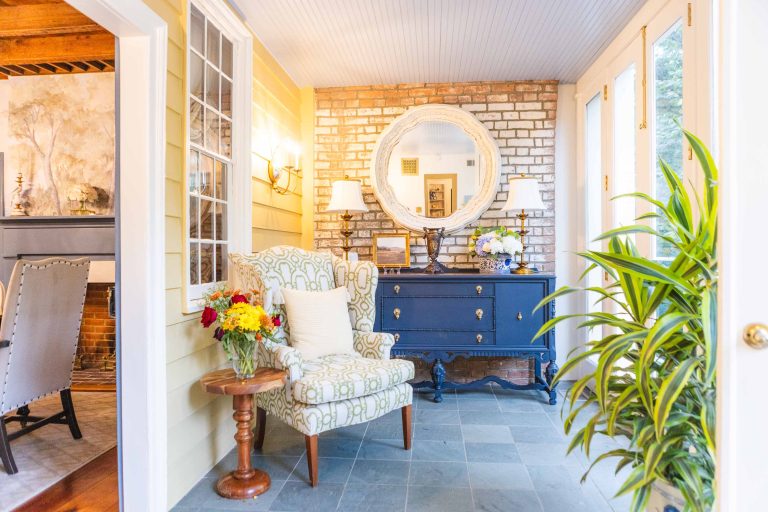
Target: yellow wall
200 426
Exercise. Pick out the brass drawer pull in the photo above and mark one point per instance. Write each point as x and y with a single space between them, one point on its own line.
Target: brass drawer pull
396 312
479 338
479 313
397 337
479 289
519 316
397 289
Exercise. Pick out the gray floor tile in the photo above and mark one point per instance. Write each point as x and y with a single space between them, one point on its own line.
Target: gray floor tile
553 478
512 405
483 418
438 499
438 450
433 432
199 493
330 470
506 500
487 434
498 475
384 449
485 393
389 472
478 405
491 452
550 454
572 501
279 467
391 417
538 434
446 474
261 502
529 419
373 498
343 447
384 431
298 496
437 416
352 431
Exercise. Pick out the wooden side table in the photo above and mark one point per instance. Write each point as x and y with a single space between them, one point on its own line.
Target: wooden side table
245 481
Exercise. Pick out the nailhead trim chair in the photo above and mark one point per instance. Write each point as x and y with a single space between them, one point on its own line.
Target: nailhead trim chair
331 391
39 331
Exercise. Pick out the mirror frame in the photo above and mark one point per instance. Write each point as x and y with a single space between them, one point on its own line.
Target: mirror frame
489 162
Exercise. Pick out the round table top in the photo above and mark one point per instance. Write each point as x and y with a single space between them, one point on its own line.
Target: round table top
224 382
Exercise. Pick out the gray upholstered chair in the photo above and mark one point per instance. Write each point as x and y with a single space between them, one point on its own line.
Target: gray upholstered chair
38 339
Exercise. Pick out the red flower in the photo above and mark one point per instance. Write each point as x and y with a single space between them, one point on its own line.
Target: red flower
209 316
239 298
276 320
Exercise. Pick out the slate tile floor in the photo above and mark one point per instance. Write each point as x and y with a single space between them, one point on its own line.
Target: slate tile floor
492 450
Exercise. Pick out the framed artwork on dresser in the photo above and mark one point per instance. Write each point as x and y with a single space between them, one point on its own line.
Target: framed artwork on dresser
392 250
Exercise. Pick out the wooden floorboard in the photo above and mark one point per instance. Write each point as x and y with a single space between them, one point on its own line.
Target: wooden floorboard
93 487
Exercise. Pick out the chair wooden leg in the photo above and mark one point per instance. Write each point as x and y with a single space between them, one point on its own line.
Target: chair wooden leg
261 428
69 411
312 459
5 450
406 426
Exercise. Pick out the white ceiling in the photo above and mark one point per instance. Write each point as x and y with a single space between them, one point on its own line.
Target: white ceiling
325 43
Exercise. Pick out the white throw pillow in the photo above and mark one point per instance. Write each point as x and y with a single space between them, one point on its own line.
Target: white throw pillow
319 322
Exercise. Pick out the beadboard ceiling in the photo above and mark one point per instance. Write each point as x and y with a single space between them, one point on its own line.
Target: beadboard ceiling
323 43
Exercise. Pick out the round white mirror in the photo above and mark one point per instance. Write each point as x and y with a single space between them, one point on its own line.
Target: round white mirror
435 166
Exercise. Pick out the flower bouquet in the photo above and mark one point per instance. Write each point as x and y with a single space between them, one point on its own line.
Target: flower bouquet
495 248
241 324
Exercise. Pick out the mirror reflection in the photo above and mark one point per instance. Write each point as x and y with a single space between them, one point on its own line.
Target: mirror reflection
434 169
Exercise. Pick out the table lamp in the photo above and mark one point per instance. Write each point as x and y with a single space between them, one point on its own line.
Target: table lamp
523 195
346 199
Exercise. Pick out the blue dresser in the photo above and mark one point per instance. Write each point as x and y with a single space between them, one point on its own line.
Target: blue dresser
439 317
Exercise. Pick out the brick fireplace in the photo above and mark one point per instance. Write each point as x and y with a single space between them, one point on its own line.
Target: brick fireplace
96 346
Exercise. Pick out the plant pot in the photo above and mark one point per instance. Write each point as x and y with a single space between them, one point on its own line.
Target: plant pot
498 265
665 498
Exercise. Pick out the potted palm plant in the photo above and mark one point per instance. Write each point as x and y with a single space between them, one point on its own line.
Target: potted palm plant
654 382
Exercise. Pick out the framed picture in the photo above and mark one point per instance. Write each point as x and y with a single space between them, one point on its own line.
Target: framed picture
392 250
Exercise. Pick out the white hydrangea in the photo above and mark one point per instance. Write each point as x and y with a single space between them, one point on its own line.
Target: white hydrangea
511 245
486 247
496 246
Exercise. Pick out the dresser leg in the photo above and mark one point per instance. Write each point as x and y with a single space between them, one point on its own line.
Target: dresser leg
550 373
438 377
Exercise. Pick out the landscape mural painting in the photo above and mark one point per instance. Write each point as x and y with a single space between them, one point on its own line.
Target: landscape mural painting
60 139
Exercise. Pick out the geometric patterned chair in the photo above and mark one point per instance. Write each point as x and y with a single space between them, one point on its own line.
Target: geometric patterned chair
331 391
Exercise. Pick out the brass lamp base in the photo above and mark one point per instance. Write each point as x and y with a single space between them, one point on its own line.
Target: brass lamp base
524 269
522 266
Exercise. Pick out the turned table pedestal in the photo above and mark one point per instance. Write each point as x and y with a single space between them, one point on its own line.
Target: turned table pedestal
245 481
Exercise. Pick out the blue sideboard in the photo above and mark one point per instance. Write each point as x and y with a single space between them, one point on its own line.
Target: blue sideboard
439 317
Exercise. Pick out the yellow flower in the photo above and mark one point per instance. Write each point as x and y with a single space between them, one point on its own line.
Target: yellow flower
243 317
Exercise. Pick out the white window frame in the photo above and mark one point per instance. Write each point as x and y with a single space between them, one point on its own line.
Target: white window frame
238 214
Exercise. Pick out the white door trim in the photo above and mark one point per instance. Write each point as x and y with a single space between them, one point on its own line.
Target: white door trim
142 425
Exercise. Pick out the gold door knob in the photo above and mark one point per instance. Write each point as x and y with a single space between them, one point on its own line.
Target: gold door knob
756 336
396 312
479 289
397 337
397 289
479 338
519 316
479 313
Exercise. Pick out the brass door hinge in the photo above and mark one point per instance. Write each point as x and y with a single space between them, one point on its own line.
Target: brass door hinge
605 92
690 14
605 182
690 153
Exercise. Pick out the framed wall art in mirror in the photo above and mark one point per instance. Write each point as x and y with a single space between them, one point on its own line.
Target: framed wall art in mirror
456 175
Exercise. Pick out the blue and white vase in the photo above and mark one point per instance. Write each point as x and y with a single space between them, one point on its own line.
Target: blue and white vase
498 265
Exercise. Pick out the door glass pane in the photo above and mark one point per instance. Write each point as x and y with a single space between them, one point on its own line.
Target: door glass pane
226 97
221 180
221 225
196 122
194 263
211 130
212 87
594 169
206 263
624 125
195 75
226 56
206 220
206 175
194 231
193 178
212 53
221 262
667 87
197 31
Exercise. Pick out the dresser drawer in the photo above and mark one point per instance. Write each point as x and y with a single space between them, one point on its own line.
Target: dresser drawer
444 338
438 313
437 289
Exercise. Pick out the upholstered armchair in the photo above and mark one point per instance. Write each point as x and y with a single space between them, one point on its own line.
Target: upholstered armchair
38 340
331 391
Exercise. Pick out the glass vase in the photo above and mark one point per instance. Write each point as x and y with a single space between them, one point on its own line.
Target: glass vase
242 353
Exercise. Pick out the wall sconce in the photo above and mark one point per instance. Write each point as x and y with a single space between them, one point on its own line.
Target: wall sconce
277 168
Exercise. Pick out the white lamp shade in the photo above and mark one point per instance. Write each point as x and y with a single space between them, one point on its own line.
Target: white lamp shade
347 196
523 195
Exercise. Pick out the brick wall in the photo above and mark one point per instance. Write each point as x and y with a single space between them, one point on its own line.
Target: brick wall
97 331
519 115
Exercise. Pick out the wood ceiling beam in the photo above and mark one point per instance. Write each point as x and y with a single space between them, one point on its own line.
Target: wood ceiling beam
61 48
43 20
